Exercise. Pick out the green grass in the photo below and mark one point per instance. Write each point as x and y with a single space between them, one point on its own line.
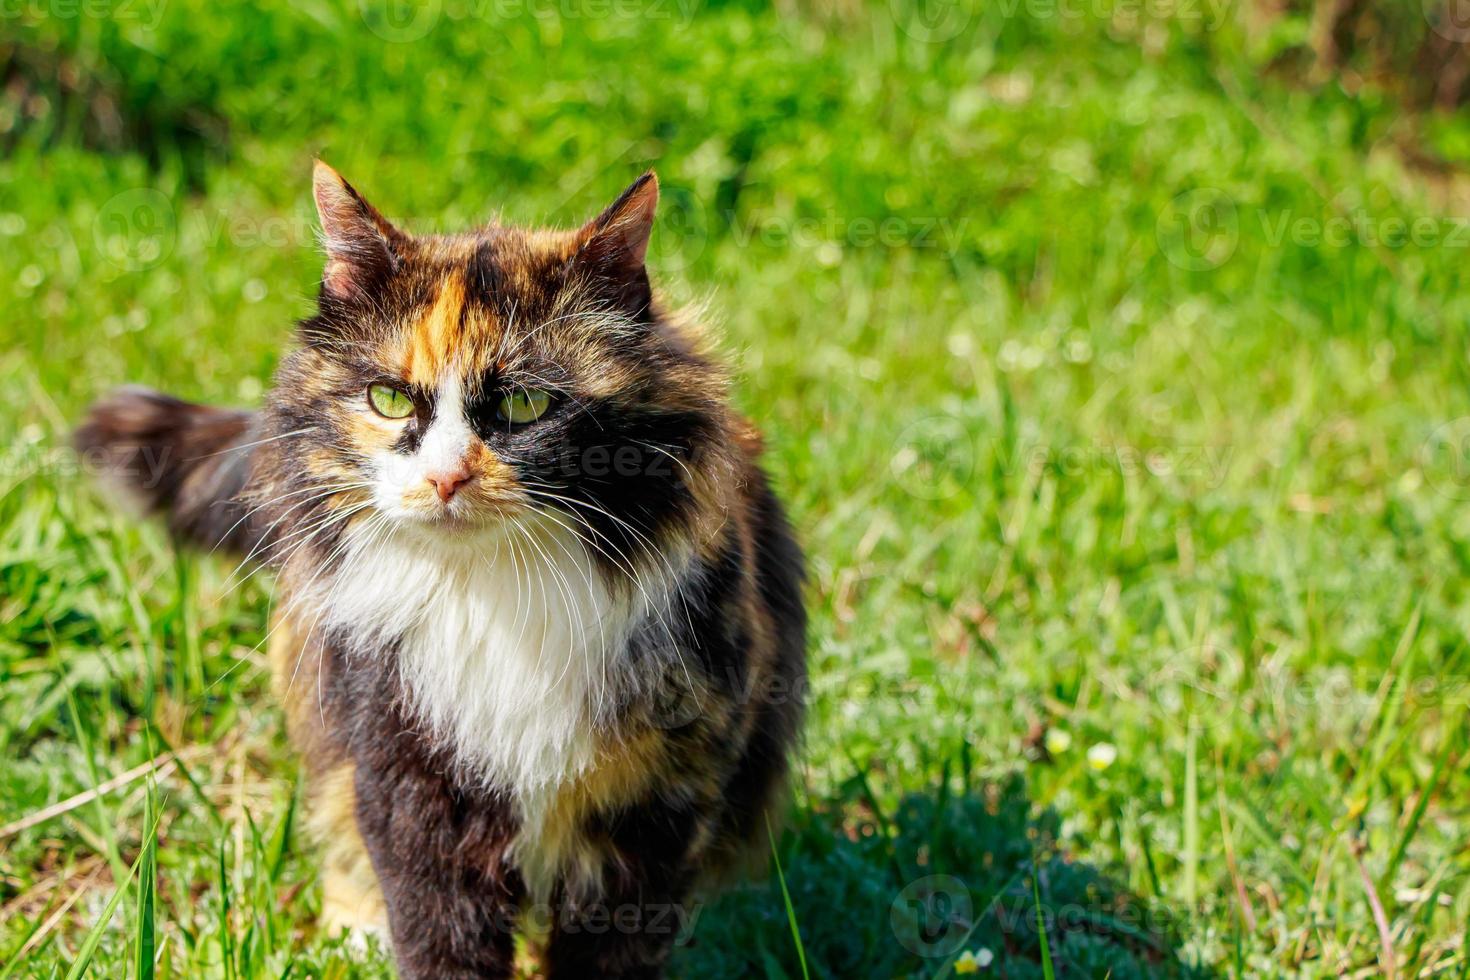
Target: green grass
1119 418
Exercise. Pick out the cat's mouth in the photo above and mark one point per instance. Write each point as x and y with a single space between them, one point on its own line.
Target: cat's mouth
483 511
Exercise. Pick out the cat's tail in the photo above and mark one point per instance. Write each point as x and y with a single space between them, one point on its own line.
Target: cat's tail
187 462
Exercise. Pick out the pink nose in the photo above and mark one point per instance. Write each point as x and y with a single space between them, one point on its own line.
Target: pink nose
448 482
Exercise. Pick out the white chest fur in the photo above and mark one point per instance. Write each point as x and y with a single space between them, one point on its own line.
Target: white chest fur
505 644
509 648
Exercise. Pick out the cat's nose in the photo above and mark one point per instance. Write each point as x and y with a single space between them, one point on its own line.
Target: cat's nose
448 481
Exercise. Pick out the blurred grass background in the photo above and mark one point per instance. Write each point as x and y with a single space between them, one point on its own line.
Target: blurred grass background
1112 357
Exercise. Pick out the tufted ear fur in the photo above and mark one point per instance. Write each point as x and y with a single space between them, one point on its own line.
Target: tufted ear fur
612 247
360 242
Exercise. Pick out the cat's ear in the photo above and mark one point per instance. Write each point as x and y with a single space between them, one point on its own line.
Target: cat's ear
360 242
612 247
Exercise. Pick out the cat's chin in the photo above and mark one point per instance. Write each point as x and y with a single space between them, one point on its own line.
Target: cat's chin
451 524
446 520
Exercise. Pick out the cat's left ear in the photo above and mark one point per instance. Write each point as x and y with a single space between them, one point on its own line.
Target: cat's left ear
612 247
361 244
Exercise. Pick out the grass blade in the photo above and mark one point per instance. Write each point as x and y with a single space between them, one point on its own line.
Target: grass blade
104 820
146 936
226 934
1191 815
1412 827
790 909
94 936
1046 967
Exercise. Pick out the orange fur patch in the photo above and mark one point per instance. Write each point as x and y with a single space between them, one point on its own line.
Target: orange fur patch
437 337
351 896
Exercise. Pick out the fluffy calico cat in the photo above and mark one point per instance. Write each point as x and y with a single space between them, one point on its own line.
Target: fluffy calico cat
539 629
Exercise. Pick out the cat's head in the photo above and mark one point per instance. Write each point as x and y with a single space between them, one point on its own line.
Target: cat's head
449 383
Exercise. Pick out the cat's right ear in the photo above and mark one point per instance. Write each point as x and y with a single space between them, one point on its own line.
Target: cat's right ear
360 242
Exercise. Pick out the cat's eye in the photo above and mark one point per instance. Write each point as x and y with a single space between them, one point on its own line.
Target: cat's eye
389 402
526 405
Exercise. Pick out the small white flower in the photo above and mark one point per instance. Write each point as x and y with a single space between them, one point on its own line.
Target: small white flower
1102 755
973 961
1058 740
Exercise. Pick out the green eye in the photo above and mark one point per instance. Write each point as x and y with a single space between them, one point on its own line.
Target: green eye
523 406
389 402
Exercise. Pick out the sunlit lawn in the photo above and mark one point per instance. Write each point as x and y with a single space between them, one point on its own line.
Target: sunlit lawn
1121 424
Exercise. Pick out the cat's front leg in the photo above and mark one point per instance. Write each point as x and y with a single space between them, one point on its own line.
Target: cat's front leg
628 931
451 902
626 935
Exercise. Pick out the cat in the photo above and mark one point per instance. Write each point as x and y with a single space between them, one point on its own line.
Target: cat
540 635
